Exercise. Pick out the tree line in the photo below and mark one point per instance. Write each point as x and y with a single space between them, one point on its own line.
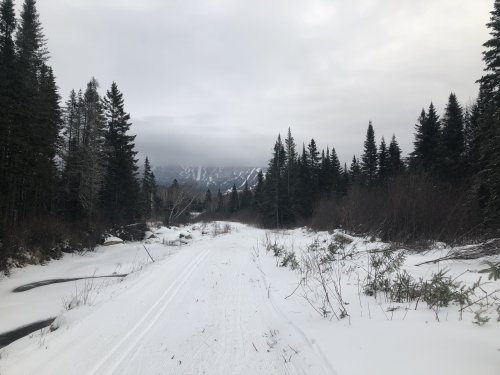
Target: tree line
63 169
69 171
447 188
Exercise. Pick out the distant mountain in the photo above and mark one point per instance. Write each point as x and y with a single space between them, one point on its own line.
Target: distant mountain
212 178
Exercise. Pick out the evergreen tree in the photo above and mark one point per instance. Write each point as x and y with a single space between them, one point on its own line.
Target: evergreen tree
234 203
334 160
72 122
148 191
305 190
91 154
313 162
8 106
395 163
119 194
258 200
275 187
291 159
426 143
71 177
220 201
472 118
369 157
486 145
344 181
325 174
452 145
31 149
49 118
383 161
207 203
313 169
355 170
490 82
246 197
291 176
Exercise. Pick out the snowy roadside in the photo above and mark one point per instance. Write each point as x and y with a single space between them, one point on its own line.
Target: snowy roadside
362 332
18 309
225 304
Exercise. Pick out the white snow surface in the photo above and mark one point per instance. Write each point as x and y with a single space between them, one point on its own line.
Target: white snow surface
219 304
112 240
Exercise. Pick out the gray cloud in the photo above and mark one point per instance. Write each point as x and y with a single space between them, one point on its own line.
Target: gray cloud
214 82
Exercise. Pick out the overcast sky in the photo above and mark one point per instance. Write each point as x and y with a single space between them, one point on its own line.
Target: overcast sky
213 82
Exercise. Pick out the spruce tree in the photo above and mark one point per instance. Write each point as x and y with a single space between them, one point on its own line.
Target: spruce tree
395 162
246 197
148 191
291 159
426 143
490 82
369 157
305 190
487 141
275 187
8 104
72 152
472 120
383 161
7 77
291 176
452 142
120 191
258 200
314 161
234 203
207 203
91 153
344 182
49 118
220 201
314 169
336 170
325 174
31 149
72 122
355 171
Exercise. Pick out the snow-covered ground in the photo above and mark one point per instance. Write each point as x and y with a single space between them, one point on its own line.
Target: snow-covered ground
219 303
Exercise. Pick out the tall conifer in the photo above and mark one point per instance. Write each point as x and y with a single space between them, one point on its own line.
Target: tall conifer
452 143
119 194
383 161
369 157
426 143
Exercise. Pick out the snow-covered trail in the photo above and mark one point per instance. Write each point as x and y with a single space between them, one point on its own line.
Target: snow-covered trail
206 310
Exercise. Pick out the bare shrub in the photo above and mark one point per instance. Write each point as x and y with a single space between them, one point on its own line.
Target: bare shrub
407 208
322 283
83 296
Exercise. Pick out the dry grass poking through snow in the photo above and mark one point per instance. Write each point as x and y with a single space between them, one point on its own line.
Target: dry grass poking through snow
336 269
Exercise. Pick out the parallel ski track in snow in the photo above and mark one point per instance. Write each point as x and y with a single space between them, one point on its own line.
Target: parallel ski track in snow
151 316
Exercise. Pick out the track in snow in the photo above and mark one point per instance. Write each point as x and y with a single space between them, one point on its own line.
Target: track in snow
205 310
220 320
131 339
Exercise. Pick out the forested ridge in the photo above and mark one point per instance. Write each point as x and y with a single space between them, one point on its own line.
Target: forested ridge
68 171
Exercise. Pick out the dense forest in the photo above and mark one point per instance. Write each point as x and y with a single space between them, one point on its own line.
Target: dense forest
68 173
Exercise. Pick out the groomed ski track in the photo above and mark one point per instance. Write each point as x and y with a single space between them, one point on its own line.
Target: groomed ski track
208 309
